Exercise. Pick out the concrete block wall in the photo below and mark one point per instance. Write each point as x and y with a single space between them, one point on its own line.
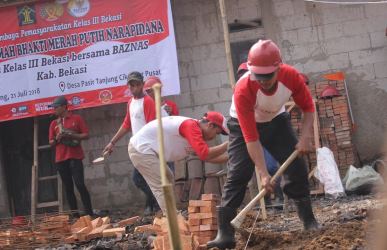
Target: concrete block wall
315 38
110 184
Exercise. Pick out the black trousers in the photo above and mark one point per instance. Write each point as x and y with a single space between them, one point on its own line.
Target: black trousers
278 137
71 172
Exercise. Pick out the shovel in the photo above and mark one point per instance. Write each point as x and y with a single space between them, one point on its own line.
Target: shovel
101 158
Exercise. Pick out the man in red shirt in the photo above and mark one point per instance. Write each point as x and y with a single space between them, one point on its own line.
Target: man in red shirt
168 105
140 111
258 119
182 135
65 134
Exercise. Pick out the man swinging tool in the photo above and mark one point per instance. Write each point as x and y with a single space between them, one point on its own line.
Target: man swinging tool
258 119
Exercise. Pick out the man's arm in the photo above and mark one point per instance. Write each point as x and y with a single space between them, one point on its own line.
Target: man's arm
120 133
216 151
223 158
304 144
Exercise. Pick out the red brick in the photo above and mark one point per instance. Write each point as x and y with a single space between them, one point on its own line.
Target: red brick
209 221
200 203
210 197
208 228
193 222
207 209
202 215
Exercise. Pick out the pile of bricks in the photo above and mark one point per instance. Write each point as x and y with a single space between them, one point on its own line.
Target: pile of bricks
202 217
335 126
85 229
56 230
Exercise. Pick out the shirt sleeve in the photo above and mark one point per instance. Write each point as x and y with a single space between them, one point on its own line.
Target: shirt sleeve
191 131
127 123
51 131
82 125
245 99
174 108
149 109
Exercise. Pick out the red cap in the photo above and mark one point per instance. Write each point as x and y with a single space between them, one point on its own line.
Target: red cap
152 80
218 119
264 57
243 67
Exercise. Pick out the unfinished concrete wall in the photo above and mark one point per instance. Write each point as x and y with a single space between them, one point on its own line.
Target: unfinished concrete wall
315 38
109 183
322 38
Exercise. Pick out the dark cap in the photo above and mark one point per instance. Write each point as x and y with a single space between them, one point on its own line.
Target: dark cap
59 101
264 77
135 76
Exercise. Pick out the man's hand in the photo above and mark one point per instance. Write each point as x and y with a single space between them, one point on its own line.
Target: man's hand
304 145
59 137
265 181
108 149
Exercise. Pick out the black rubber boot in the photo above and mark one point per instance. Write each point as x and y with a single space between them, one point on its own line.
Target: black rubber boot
305 213
225 239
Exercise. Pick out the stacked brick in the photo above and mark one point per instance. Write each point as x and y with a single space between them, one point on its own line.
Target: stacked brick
161 242
334 124
202 217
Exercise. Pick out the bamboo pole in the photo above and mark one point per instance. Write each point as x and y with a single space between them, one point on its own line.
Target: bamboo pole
262 201
227 43
174 236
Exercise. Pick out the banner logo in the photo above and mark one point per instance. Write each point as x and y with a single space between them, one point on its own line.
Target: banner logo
26 15
51 11
76 100
105 96
78 8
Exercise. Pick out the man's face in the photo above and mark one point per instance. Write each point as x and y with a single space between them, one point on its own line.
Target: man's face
60 110
136 88
266 84
210 131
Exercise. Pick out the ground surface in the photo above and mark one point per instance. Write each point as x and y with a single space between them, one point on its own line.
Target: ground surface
346 224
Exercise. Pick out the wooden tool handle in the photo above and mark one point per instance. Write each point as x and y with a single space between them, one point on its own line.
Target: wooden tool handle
174 235
238 220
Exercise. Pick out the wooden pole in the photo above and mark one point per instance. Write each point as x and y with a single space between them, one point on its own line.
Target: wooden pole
174 236
34 173
262 201
227 43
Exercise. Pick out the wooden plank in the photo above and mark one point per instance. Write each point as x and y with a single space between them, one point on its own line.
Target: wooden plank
47 204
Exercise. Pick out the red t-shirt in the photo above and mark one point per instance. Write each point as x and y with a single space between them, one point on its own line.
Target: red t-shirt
253 105
190 130
76 124
174 108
